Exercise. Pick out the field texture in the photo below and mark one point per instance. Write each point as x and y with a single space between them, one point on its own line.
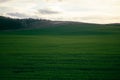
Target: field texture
60 57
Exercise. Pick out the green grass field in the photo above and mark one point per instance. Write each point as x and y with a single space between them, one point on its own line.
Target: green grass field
33 56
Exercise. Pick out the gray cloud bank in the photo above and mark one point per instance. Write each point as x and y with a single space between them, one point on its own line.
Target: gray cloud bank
17 15
45 11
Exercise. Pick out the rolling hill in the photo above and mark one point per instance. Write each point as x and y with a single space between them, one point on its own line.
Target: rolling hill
40 26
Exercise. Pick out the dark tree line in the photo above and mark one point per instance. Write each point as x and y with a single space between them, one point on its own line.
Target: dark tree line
9 23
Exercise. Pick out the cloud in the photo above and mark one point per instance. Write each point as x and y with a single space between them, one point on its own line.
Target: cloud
1 1
18 15
46 11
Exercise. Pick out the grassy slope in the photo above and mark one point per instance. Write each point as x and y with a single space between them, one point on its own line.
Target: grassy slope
70 29
61 53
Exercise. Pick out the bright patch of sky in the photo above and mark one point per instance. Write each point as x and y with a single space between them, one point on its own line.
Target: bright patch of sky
92 11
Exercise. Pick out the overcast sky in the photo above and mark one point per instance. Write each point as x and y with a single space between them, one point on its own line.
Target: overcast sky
95 11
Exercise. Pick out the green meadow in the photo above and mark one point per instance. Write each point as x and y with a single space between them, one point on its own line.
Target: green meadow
61 53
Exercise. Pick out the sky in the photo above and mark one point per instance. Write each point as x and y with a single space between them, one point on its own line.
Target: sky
91 11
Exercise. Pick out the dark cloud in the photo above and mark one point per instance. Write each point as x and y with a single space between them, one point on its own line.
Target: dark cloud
45 11
19 15
4 0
